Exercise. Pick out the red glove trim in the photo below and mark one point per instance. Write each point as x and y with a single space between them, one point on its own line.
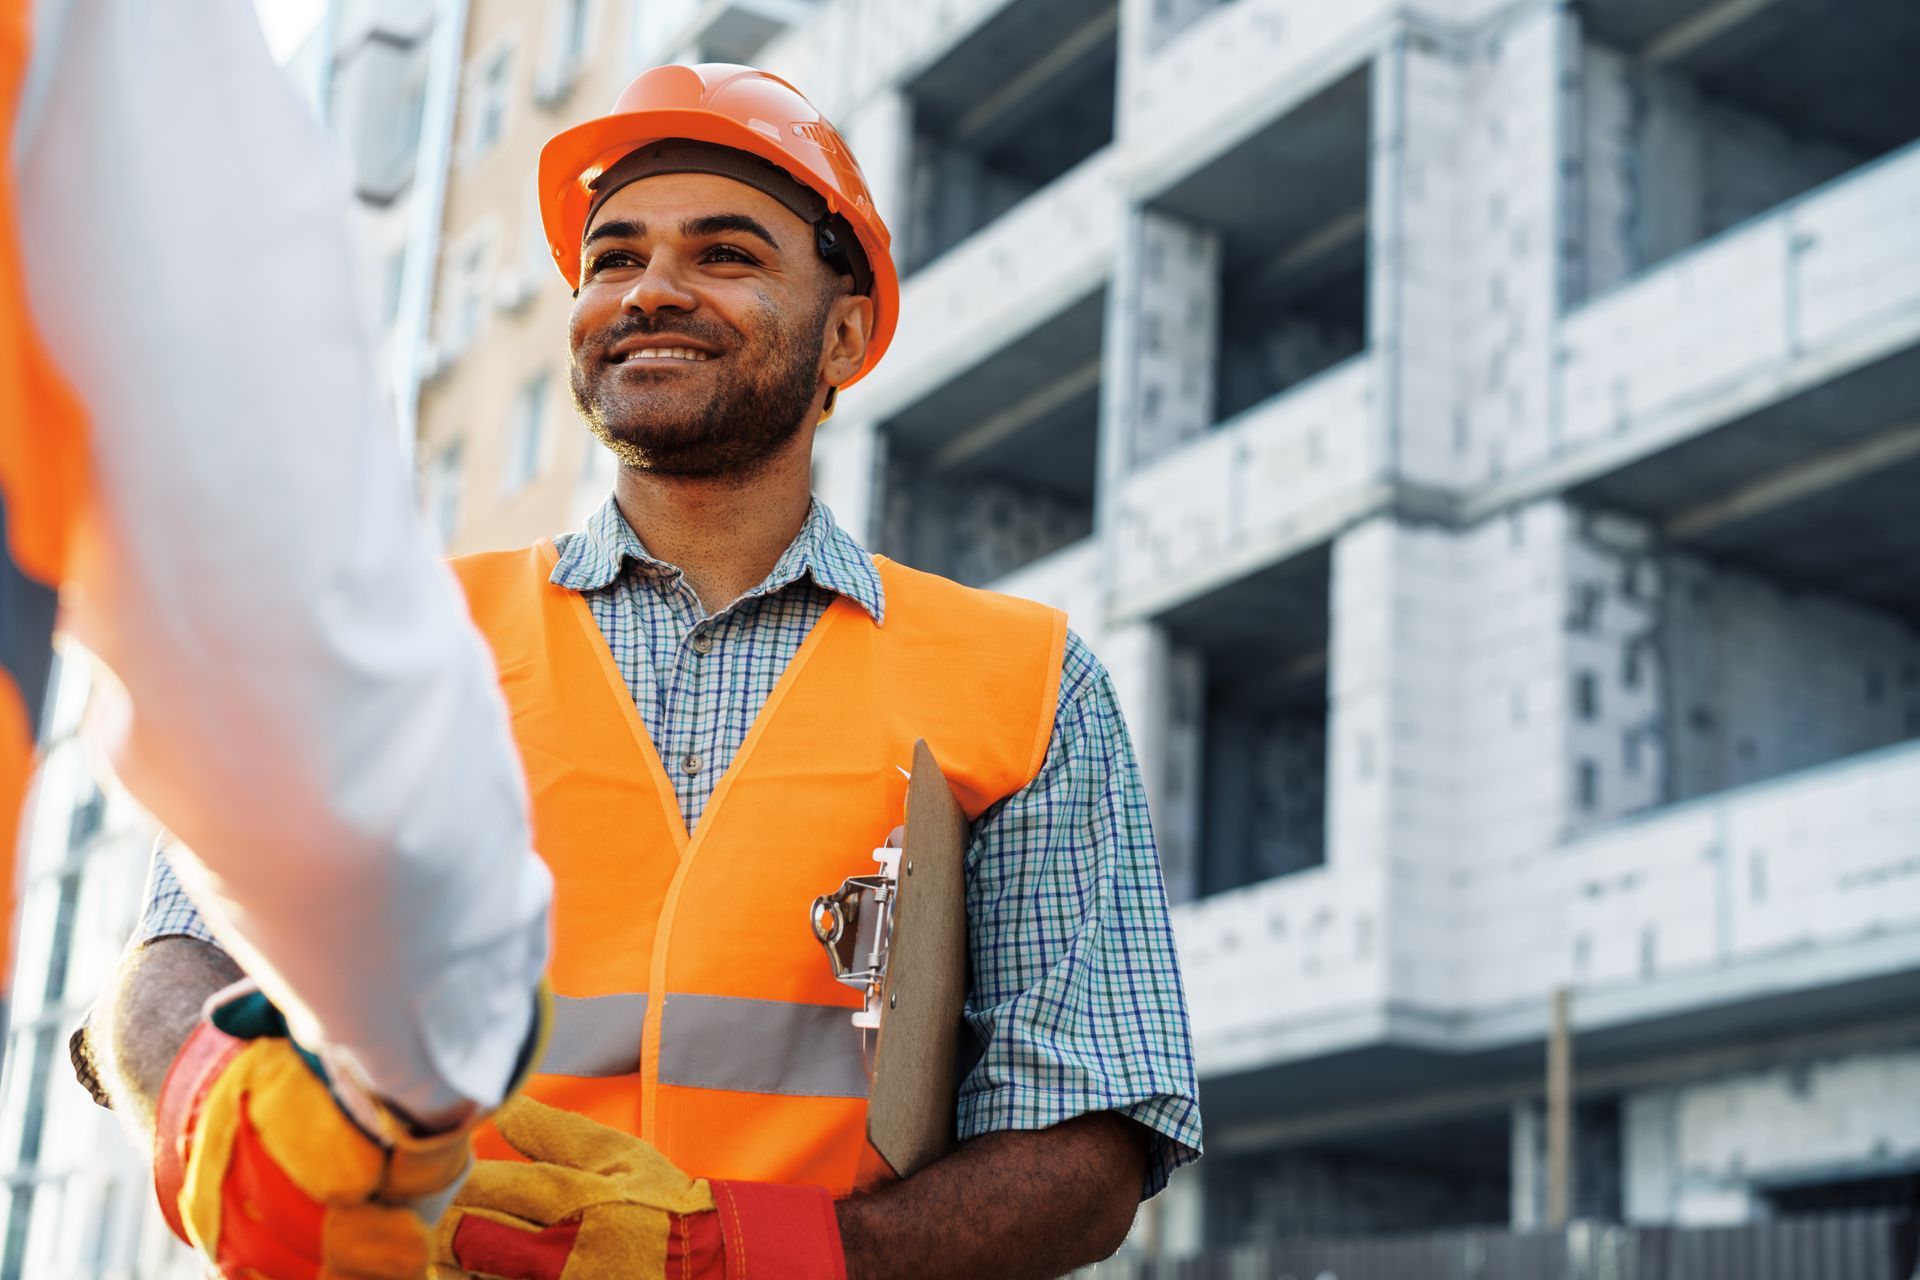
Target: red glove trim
201 1059
779 1232
494 1248
268 1225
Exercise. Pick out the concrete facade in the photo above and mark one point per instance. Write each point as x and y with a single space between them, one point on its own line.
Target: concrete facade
1496 540
1473 435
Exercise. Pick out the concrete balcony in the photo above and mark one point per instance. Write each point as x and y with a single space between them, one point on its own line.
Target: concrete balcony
1289 969
1793 903
1279 478
1057 245
1232 72
1766 893
1755 350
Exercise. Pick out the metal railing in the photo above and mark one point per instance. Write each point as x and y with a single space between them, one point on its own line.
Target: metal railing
1878 1245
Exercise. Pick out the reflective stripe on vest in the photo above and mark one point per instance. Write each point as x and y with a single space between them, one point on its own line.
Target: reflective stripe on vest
697 1010
595 1036
712 1042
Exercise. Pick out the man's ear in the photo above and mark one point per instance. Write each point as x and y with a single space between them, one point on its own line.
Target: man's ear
849 329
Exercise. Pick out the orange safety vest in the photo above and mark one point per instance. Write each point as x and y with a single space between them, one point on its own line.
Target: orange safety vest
695 1009
43 470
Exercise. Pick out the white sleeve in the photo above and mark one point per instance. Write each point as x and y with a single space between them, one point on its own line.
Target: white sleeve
309 706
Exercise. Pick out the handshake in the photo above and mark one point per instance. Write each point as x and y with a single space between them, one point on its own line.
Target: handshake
260 1168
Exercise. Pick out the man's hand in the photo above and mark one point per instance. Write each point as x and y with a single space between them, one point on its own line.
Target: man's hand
598 1204
261 1171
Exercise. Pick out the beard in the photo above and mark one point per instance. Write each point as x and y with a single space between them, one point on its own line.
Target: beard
763 392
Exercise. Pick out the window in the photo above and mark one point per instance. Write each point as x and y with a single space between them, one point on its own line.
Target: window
574 15
466 298
526 441
488 90
393 286
88 817
569 31
413 116
473 294
445 490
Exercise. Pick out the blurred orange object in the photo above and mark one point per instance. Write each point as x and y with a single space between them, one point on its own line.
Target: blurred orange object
43 476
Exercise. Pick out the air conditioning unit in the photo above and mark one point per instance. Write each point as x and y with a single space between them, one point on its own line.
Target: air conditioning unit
514 292
556 82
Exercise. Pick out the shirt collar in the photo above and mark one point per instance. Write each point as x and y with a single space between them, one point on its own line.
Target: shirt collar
822 550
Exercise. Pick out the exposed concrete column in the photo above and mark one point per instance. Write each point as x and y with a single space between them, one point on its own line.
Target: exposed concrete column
1178 307
1414 278
1360 651
1447 741
1161 688
1467 210
1514 233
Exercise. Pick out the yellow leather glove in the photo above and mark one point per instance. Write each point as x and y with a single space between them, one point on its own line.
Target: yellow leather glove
260 1168
599 1204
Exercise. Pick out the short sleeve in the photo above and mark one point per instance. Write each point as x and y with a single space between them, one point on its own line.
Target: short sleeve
168 911
1076 992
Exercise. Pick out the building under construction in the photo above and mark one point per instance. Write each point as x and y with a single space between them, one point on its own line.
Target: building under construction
1481 437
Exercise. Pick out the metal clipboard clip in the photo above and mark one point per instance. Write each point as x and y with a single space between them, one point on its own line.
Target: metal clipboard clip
855 925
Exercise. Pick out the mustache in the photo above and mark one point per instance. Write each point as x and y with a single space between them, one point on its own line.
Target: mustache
645 326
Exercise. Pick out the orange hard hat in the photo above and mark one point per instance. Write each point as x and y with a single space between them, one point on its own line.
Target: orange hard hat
739 108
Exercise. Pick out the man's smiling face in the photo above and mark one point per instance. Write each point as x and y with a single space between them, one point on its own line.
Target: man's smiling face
698 333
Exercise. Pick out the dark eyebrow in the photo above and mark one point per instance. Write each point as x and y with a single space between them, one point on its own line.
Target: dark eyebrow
720 224
615 230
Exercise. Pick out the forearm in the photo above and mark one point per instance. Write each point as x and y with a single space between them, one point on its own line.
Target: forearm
1009 1206
144 1017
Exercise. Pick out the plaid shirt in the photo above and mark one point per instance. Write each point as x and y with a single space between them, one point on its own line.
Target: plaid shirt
1076 989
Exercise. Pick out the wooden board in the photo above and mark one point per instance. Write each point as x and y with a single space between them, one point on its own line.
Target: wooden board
910 1111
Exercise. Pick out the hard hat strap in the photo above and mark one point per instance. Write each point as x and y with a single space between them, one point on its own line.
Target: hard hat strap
840 248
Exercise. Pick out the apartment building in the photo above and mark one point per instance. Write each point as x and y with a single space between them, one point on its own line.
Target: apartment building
1480 438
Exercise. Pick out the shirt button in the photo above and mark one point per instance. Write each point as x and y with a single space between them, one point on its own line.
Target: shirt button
690 764
703 642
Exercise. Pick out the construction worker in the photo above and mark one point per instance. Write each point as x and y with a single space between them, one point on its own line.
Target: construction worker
714 690
196 466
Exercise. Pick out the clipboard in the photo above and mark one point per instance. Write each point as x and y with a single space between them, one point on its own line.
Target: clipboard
910 1107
